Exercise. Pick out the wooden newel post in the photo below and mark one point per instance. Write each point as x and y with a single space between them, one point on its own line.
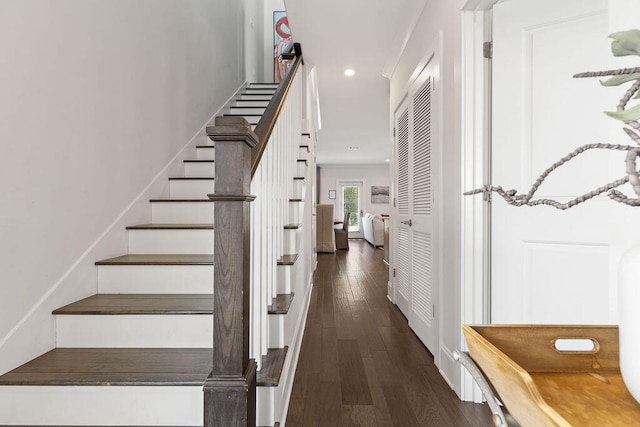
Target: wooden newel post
230 390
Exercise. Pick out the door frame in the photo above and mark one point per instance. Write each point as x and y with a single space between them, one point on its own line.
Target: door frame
340 203
476 172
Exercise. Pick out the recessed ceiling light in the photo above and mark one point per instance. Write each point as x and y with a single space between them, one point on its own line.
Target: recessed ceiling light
386 160
349 72
354 147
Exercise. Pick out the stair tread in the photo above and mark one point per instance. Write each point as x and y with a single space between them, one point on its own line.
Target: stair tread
161 259
298 178
281 304
296 200
259 97
242 115
205 146
171 227
115 367
191 178
292 226
271 369
181 200
141 304
199 161
288 259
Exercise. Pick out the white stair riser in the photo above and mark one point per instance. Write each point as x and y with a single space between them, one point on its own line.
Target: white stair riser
295 212
272 86
208 153
199 170
155 279
283 278
253 120
276 331
251 104
171 241
104 405
254 97
291 241
265 405
256 91
299 189
247 110
302 169
136 331
190 188
182 212
303 153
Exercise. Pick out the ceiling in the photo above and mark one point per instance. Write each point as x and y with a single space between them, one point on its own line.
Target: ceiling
364 35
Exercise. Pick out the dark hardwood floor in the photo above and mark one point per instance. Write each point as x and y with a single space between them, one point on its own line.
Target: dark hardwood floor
360 364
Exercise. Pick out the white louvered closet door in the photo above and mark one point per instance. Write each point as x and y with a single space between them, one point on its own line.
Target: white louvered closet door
402 258
423 267
416 256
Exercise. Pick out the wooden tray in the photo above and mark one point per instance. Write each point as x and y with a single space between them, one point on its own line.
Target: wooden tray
542 386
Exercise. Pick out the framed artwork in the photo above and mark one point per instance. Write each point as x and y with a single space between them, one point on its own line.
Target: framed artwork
332 194
379 194
281 43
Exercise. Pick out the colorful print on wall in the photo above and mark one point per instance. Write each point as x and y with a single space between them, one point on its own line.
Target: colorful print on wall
281 43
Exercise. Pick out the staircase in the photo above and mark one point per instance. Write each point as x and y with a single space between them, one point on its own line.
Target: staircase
139 351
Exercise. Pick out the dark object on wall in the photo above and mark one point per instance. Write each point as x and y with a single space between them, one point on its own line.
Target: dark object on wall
342 234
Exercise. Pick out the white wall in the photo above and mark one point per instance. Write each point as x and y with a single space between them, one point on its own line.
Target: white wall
373 175
253 40
438 28
97 98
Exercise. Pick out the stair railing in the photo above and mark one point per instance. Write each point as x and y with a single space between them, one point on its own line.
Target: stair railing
254 179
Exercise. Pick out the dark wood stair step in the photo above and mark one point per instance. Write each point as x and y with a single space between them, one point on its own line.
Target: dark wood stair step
305 147
171 227
292 226
199 161
281 304
180 200
115 367
189 178
272 366
296 200
114 304
298 178
288 259
162 259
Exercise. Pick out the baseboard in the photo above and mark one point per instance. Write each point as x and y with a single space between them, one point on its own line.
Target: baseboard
294 352
447 366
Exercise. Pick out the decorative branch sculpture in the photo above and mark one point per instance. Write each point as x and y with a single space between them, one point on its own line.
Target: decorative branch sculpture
624 43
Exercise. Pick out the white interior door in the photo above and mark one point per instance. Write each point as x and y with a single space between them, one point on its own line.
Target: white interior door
416 232
400 231
549 266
